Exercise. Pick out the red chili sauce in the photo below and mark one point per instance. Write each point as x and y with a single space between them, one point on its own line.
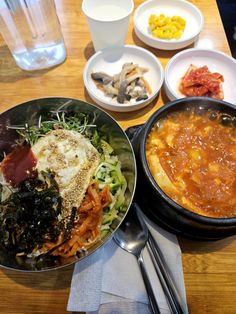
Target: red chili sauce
18 165
193 160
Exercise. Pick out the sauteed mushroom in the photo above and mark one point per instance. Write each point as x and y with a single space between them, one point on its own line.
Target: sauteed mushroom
124 86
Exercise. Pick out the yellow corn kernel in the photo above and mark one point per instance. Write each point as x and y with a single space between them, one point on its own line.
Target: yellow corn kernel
166 27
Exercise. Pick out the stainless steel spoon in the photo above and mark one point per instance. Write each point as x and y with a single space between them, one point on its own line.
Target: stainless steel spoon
132 236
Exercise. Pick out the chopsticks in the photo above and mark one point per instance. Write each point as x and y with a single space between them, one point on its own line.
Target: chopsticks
164 276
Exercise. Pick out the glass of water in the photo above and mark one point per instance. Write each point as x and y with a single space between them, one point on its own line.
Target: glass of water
31 30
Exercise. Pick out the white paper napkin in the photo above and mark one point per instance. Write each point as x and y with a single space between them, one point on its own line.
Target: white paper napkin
109 281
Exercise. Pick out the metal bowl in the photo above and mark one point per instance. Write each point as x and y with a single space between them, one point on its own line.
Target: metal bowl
158 205
30 112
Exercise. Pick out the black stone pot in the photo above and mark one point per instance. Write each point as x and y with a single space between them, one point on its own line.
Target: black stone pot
154 202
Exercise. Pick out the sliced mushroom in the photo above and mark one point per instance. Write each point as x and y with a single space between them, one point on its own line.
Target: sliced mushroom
126 69
138 91
125 86
122 92
140 82
111 90
101 78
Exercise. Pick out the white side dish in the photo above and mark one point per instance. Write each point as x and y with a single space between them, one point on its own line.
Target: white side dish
192 15
216 61
110 61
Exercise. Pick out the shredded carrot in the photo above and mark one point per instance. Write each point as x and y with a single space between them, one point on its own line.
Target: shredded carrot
147 85
86 229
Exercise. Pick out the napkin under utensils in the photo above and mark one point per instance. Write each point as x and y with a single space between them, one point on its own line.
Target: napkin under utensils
109 280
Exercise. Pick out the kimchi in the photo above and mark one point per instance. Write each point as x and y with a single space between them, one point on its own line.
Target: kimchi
201 82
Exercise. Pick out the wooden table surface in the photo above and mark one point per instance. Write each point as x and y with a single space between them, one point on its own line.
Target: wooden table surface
209 267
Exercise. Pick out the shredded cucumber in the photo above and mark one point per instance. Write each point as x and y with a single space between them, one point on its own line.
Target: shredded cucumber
109 173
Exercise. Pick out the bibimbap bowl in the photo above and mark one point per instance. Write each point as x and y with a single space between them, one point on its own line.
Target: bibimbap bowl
68 176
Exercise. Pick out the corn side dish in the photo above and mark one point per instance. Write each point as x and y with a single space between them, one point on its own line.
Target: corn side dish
165 27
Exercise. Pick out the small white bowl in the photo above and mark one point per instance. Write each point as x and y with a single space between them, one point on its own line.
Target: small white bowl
110 61
216 61
188 11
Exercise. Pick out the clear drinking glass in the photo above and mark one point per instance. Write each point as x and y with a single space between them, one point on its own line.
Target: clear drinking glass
31 30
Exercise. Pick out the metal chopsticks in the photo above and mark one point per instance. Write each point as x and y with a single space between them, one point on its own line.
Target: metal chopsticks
164 276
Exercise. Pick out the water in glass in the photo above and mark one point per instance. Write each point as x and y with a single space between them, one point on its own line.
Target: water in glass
31 30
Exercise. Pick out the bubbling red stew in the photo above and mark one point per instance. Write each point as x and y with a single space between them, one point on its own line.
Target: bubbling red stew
192 157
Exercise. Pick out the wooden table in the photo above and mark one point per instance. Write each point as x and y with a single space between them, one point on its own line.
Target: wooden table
209 267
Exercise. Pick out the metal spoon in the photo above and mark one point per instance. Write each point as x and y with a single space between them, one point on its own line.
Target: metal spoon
132 236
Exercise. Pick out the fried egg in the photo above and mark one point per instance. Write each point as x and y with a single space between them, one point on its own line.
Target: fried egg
73 159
